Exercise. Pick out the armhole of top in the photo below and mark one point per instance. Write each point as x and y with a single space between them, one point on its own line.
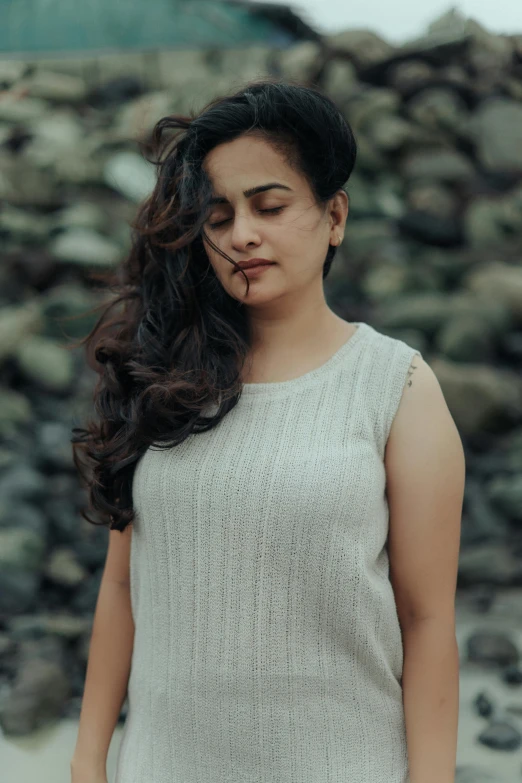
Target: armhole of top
400 370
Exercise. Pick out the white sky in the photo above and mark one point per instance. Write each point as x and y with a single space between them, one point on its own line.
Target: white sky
399 20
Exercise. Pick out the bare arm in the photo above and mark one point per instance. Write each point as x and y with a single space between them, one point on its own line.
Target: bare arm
109 661
425 469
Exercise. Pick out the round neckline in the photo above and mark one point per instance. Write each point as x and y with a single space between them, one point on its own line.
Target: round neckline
311 375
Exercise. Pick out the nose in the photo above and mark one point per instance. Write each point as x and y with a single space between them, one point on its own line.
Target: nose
244 232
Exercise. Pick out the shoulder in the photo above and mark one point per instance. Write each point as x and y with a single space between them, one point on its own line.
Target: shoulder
422 399
392 366
392 353
412 408
423 430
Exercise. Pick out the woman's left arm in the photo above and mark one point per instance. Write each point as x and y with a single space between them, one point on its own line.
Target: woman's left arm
425 477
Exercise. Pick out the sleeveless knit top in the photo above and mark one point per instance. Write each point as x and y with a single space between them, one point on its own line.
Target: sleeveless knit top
267 645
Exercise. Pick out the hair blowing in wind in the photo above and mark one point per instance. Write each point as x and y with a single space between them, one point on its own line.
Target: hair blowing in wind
170 341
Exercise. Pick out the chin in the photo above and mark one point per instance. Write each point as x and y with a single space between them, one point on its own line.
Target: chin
259 297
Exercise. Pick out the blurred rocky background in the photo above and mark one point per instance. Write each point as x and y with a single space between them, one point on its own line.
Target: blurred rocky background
432 254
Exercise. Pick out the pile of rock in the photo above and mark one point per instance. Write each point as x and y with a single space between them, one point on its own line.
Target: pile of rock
433 255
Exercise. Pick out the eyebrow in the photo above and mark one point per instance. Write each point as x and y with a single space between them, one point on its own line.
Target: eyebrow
251 192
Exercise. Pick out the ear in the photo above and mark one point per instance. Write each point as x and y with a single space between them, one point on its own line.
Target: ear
339 211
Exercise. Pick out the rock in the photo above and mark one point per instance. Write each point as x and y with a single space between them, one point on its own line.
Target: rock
81 214
7 136
59 624
500 735
46 363
385 280
17 109
368 234
381 200
19 224
512 675
135 120
7 646
177 66
497 129
300 61
364 107
19 591
363 45
440 109
231 61
22 549
54 446
465 338
24 185
7 457
85 597
388 197
362 200
483 522
131 175
458 78
17 323
427 227
505 492
90 546
501 282
449 28
410 74
23 516
115 91
487 221
433 198
390 133
492 649
489 563
37 697
424 311
65 312
15 411
483 705
508 454
82 246
52 136
493 313
21 483
438 165
496 395
469 774
370 159
339 79
52 86
82 165
489 54
11 71
32 268
64 569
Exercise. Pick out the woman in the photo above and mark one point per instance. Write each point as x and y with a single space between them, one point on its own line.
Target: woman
283 487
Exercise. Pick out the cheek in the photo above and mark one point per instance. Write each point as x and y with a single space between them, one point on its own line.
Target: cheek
221 267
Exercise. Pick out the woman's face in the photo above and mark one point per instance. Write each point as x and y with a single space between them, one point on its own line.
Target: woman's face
281 224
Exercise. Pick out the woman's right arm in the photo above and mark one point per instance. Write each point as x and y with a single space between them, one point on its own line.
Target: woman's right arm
108 666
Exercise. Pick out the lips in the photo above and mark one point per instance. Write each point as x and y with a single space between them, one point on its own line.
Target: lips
253 262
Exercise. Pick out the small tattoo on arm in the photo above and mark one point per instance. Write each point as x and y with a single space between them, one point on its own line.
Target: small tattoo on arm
410 373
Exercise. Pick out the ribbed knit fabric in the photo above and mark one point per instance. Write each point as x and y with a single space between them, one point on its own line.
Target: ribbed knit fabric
267 645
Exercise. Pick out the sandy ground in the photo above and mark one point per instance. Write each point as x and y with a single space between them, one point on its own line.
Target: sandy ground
44 757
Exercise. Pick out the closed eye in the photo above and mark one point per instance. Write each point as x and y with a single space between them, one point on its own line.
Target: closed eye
272 211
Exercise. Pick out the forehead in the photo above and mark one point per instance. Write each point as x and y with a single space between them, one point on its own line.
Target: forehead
238 168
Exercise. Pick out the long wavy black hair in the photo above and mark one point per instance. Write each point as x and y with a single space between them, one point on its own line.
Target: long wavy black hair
170 341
